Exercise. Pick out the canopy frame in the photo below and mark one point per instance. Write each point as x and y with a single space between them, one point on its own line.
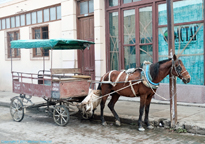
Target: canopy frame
51 44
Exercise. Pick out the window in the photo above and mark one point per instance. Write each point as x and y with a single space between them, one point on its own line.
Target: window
46 15
22 20
129 1
53 13
39 16
3 24
28 19
8 23
58 12
17 21
114 47
113 3
40 33
188 37
12 22
86 7
33 17
129 39
91 6
14 52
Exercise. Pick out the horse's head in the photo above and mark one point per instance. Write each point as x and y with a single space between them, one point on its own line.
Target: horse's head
179 70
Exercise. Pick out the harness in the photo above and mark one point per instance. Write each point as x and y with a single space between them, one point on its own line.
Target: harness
145 74
146 78
118 77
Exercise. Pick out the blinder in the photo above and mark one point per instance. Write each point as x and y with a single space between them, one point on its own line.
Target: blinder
179 69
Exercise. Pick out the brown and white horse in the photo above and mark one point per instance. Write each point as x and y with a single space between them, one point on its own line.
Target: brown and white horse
157 71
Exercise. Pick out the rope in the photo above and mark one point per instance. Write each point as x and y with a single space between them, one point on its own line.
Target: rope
118 90
133 91
131 85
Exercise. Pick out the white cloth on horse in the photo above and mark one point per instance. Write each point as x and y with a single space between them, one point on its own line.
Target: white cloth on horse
131 70
128 72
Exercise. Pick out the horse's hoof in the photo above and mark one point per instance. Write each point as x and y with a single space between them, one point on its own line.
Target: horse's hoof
104 123
141 129
150 127
117 123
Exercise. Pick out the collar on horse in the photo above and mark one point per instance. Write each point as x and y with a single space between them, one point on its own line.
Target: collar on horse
145 74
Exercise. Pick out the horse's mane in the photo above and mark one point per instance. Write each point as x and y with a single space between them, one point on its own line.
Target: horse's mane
154 68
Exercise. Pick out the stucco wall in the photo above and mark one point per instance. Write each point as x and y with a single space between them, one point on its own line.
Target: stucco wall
185 93
64 28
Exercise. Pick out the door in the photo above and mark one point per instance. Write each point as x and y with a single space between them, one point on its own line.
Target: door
86 58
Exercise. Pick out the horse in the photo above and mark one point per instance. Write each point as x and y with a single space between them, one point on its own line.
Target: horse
145 89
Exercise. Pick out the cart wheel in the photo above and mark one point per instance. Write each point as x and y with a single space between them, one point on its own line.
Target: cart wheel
16 109
61 115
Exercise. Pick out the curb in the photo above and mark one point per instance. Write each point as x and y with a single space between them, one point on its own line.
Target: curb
168 103
5 104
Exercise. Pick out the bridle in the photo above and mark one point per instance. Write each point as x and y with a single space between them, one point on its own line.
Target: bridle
178 69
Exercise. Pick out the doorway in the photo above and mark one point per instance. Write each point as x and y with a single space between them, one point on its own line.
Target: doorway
86 58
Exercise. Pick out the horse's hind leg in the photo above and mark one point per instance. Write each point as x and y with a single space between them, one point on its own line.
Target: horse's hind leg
142 105
111 105
146 120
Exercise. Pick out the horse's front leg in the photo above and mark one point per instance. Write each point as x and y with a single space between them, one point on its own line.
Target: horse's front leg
111 105
141 110
146 120
102 105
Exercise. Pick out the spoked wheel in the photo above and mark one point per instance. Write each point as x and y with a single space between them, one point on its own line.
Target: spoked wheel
16 109
61 115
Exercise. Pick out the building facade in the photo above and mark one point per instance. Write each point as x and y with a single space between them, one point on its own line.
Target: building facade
125 32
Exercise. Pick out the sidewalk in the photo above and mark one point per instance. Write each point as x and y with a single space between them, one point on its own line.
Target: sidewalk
190 116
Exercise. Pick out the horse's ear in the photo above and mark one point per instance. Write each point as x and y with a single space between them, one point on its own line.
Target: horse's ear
174 57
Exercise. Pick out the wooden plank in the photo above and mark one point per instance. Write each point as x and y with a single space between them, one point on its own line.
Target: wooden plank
65 71
74 89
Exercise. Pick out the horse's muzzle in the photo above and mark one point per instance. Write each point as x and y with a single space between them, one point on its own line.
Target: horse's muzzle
186 80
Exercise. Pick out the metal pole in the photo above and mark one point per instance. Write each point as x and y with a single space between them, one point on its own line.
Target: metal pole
172 80
82 61
51 67
11 60
43 61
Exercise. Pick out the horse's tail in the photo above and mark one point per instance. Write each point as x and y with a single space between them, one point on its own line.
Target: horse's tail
99 87
104 77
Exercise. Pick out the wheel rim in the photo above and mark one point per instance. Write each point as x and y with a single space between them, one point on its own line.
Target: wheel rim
61 115
16 109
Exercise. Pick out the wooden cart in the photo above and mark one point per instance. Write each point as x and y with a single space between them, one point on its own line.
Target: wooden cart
60 87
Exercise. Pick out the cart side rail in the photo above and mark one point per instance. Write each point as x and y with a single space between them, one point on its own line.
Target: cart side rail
66 71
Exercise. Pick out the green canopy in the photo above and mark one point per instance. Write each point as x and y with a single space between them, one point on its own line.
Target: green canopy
56 44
